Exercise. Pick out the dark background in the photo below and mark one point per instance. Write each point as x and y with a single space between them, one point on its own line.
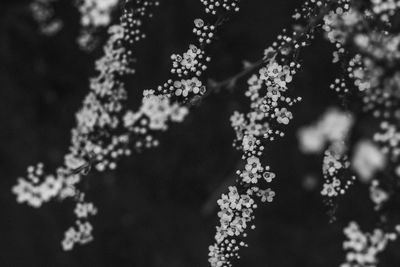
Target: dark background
158 208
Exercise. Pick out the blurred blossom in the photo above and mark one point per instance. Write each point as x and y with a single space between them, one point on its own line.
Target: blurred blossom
334 125
367 160
310 182
311 140
377 194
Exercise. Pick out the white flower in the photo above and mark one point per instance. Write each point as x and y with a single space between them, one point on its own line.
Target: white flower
250 177
253 164
273 93
266 195
83 210
283 115
329 190
249 143
269 176
274 69
178 113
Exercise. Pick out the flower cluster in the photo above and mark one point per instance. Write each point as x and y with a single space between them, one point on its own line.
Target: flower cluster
154 114
376 55
388 139
215 6
34 191
205 33
363 248
81 234
94 14
334 168
190 61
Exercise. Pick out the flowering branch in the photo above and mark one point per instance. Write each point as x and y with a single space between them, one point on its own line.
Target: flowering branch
300 33
270 101
98 118
105 129
367 45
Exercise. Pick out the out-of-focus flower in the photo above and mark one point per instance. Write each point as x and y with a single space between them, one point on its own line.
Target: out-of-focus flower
334 125
367 160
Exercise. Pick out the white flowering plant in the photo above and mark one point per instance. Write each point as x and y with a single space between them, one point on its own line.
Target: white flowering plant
354 138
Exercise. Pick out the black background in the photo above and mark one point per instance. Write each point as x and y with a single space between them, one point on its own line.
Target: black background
158 207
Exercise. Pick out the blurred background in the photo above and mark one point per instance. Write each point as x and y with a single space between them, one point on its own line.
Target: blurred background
159 207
